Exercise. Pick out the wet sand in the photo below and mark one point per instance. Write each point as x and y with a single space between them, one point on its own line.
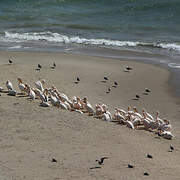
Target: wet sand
30 135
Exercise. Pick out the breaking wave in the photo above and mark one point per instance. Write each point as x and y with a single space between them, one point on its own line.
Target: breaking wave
59 38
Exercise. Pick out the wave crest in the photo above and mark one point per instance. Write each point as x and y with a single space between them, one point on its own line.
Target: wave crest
59 38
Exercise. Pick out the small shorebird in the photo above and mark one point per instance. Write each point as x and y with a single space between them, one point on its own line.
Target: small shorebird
100 162
146 174
137 96
130 166
77 80
10 61
171 148
53 66
149 156
128 68
39 66
105 78
54 160
115 83
147 90
109 89
9 85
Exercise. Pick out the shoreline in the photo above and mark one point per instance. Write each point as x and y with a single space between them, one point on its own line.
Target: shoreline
31 135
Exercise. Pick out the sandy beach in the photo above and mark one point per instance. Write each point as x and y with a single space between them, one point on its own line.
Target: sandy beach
30 135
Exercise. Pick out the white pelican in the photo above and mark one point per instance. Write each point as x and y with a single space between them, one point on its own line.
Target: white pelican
136 113
54 100
1 89
166 134
21 86
76 104
12 92
137 121
9 85
107 117
39 85
88 107
62 105
148 115
98 110
158 119
45 104
67 105
130 124
119 117
79 111
31 92
167 126
129 111
43 96
122 111
146 121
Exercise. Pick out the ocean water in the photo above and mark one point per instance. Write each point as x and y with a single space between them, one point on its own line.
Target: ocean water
151 26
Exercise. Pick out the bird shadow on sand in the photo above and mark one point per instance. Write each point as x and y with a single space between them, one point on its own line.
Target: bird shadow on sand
76 82
20 95
103 81
96 167
135 99
37 69
11 95
4 91
145 93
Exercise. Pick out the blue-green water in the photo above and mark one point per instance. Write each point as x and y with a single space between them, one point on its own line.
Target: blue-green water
151 25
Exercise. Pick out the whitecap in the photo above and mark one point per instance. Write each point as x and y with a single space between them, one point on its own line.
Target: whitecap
15 47
174 65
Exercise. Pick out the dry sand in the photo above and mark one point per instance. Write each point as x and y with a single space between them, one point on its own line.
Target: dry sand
30 135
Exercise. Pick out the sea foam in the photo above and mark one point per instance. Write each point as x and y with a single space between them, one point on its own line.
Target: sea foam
60 38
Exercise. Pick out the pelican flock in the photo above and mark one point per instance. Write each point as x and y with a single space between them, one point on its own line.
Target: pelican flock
132 118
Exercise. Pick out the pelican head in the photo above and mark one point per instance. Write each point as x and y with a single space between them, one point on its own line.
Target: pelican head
104 106
157 113
43 81
135 109
19 80
84 100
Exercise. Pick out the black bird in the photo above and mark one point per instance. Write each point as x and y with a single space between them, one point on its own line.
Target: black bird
105 78
100 162
109 89
10 61
128 68
115 83
53 160
137 96
149 156
54 64
39 66
146 174
130 166
147 90
78 79
171 148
